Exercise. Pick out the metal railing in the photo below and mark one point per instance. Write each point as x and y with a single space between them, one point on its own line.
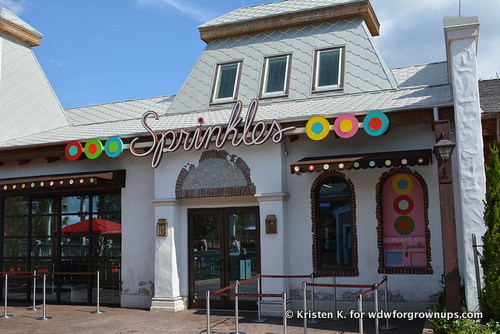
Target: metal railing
34 276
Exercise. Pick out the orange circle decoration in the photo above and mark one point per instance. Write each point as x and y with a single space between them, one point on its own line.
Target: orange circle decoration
402 184
317 128
93 149
403 204
376 123
74 150
346 126
404 225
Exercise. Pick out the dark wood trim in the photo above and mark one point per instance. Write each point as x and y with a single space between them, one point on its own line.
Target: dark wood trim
293 19
337 270
340 88
236 89
382 269
224 302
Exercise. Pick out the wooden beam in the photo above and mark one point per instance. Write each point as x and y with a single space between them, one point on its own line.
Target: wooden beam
325 14
12 29
23 162
52 159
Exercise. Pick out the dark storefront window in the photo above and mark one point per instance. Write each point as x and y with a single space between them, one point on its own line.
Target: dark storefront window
334 238
63 234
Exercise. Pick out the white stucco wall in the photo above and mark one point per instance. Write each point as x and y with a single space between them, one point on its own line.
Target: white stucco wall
137 216
290 251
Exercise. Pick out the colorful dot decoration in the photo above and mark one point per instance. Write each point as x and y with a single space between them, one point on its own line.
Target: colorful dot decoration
388 162
404 162
44 184
113 147
376 123
403 204
326 166
402 184
341 166
404 225
317 128
93 149
311 167
346 126
371 163
297 169
73 150
356 164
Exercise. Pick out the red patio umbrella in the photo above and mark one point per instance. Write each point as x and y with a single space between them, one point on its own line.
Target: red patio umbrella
99 226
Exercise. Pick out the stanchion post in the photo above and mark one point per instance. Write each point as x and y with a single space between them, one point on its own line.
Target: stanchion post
259 300
376 309
360 310
34 308
386 302
5 296
285 326
304 298
208 311
236 309
98 311
335 298
312 320
44 299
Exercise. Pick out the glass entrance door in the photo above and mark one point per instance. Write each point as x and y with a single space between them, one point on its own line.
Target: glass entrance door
223 247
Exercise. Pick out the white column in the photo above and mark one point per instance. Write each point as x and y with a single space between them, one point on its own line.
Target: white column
167 284
272 250
461 35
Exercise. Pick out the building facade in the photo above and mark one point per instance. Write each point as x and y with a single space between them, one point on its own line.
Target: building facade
291 148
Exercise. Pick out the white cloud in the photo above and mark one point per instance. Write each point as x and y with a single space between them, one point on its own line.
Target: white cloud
411 31
189 8
15 6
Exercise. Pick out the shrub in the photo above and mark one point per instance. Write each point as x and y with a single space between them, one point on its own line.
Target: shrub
490 260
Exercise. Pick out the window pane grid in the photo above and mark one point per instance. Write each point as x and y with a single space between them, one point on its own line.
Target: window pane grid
276 74
226 81
328 69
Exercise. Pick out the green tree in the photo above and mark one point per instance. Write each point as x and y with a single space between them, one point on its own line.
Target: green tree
490 261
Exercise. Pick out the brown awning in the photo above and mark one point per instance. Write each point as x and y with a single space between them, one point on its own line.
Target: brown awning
362 161
64 182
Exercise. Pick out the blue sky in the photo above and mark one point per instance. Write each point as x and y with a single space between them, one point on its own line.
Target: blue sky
97 51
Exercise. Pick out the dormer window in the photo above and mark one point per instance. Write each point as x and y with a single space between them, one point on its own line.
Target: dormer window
226 82
275 76
328 70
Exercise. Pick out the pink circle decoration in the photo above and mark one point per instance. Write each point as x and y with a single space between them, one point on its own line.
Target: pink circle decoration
346 126
201 120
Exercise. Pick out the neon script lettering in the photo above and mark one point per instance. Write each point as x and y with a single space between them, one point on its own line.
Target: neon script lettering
252 134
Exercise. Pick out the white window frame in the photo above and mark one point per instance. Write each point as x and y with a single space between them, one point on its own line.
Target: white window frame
286 84
213 99
340 79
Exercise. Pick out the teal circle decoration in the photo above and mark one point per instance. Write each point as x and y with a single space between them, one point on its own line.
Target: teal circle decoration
113 147
317 128
381 119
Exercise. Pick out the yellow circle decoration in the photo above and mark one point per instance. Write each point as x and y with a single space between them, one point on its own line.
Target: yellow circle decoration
317 128
346 125
402 184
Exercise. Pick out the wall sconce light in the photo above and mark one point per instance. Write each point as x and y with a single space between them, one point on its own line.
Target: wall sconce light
161 228
271 224
443 150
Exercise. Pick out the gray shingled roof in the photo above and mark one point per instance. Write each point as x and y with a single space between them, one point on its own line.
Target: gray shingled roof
272 9
388 100
433 74
123 110
489 95
9 16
